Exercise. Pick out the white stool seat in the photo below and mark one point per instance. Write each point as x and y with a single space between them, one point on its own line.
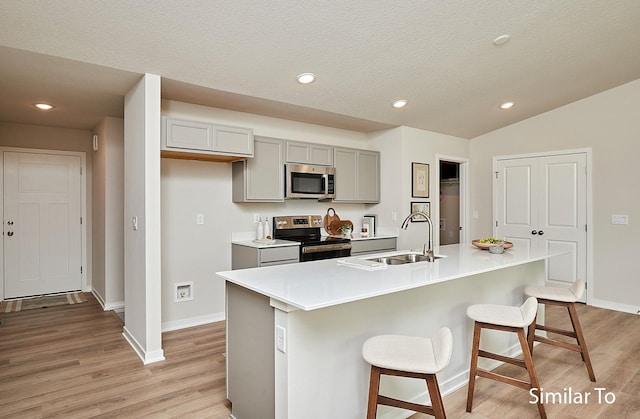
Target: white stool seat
567 295
563 297
410 353
505 319
505 315
409 357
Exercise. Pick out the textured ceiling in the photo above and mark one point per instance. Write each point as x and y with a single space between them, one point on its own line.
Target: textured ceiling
244 55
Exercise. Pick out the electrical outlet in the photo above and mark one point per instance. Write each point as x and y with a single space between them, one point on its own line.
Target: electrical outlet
199 219
256 218
183 291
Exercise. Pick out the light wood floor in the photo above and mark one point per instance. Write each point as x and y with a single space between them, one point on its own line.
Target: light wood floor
613 340
73 362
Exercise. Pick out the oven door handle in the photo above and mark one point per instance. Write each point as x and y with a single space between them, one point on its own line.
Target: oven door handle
326 248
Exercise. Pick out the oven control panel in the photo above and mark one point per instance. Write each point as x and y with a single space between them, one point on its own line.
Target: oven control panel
297 221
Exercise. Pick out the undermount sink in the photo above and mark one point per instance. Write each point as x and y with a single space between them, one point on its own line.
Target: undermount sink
403 258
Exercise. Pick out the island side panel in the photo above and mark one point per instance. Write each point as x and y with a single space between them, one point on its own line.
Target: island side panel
250 353
326 375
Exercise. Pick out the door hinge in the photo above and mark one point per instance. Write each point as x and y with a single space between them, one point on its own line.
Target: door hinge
497 174
496 223
80 220
585 228
80 269
81 171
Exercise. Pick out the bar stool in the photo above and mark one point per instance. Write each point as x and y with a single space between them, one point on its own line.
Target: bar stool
408 356
565 297
506 319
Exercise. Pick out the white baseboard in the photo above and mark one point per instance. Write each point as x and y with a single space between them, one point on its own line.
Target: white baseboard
192 321
611 305
146 357
117 306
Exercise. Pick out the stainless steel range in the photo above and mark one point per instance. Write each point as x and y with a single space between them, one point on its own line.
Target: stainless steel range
313 245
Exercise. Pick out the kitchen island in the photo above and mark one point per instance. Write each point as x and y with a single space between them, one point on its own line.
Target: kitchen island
295 332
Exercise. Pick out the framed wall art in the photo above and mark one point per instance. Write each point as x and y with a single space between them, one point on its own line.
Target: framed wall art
419 180
423 207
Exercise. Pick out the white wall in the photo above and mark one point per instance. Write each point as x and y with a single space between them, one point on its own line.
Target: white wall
142 201
399 148
609 124
108 202
192 252
51 138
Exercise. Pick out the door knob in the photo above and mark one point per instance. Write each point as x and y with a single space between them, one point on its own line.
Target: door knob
540 233
10 223
534 232
9 233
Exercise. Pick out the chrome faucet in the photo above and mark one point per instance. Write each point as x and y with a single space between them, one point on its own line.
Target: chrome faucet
426 250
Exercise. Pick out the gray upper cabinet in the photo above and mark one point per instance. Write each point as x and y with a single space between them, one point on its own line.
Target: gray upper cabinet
187 135
309 153
233 140
357 175
206 141
260 179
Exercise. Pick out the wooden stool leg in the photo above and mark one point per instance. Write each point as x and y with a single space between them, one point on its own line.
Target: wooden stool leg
374 388
474 364
436 397
531 334
528 360
573 315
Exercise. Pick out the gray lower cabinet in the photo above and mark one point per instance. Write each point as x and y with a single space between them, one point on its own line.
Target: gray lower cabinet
363 247
252 257
260 179
309 153
357 175
204 140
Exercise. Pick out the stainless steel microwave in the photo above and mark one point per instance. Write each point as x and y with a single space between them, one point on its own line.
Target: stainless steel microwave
309 181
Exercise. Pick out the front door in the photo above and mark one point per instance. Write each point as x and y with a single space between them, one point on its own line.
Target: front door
42 225
542 202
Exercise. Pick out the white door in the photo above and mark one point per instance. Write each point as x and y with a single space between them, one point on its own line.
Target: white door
42 232
542 202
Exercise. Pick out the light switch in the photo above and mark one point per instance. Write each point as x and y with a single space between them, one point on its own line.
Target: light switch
619 219
281 339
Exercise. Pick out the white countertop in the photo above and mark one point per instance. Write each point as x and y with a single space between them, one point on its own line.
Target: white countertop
324 283
284 243
258 245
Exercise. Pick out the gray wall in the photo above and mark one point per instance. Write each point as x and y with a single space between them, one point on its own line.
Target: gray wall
609 124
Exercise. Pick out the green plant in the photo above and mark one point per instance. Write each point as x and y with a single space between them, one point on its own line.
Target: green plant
345 229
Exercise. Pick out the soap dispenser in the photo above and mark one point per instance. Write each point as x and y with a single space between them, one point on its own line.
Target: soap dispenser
260 232
267 229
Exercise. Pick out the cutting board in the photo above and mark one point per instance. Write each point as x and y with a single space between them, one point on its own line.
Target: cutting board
334 227
329 218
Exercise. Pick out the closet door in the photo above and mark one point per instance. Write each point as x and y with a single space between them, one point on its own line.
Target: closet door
541 203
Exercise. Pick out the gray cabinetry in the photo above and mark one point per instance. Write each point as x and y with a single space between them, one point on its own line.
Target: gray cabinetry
252 257
260 179
309 153
363 247
357 175
206 141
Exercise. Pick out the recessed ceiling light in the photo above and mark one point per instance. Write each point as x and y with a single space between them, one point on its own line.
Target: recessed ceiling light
507 105
43 106
306 78
501 40
400 103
